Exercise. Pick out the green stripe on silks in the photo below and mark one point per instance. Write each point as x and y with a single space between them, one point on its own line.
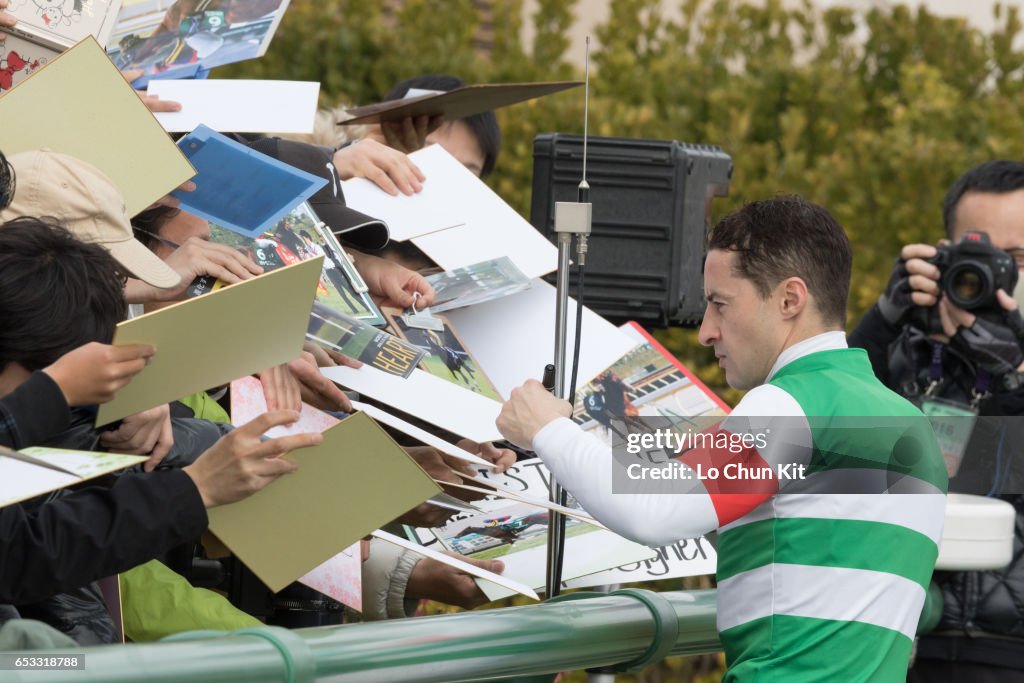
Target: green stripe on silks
817 650
853 544
856 422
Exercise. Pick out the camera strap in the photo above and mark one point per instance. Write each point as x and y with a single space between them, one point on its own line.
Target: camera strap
934 369
952 421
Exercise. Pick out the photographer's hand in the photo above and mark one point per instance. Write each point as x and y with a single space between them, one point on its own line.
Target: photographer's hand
914 282
990 345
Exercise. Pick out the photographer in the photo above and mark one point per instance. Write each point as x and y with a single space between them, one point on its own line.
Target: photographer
969 359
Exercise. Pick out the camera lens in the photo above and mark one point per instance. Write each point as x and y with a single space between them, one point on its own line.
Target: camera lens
969 284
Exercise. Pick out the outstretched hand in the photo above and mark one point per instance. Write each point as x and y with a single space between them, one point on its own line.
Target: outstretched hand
240 463
407 134
433 580
152 102
391 284
390 169
93 373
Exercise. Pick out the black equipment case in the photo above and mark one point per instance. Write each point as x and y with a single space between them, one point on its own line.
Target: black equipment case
652 209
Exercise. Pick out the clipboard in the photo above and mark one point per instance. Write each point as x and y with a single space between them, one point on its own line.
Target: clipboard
458 103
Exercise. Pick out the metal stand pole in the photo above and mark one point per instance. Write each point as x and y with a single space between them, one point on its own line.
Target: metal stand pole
556 521
571 218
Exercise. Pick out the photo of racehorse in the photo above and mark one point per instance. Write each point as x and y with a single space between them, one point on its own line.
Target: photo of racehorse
447 357
509 530
645 383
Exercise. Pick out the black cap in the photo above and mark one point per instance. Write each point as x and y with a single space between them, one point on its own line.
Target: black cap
351 226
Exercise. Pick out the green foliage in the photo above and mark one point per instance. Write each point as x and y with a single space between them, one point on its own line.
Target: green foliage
872 114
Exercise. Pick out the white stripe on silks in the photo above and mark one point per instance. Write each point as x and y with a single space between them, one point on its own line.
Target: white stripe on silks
835 593
923 513
861 480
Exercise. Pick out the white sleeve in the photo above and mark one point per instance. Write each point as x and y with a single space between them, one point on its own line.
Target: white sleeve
582 464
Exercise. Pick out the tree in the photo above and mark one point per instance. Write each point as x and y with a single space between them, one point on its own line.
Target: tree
872 114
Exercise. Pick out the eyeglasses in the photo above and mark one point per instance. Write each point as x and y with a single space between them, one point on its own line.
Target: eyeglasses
1018 255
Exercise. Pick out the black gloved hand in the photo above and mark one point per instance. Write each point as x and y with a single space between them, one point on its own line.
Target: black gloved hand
992 346
895 302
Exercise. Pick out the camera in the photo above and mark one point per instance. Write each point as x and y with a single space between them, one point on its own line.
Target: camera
972 270
970 273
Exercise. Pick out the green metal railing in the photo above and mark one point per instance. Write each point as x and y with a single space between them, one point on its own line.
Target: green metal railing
625 630
629 626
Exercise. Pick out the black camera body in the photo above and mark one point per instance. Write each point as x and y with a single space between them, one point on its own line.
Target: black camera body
970 273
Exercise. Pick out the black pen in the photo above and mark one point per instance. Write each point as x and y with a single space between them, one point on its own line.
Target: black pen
549 377
172 245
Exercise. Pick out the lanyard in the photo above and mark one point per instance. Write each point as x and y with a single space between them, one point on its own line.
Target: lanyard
951 421
982 377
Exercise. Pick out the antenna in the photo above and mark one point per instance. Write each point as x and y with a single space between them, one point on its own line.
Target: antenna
584 186
583 189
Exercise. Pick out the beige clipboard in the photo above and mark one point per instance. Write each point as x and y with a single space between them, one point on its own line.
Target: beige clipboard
355 481
218 337
458 103
80 105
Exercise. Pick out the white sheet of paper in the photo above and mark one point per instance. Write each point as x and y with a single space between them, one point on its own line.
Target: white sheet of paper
429 398
687 557
419 92
513 338
457 220
582 554
489 577
20 480
500 492
631 332
490 234
238 106
419 434
448 189
588 549
482 227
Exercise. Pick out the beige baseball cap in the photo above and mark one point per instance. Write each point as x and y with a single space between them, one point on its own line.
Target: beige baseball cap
84 200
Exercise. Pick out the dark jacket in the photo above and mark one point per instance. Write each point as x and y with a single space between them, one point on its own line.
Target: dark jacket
33 413
95 532
88 533
983 612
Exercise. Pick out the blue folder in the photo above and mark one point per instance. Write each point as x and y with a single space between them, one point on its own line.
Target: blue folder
239 188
